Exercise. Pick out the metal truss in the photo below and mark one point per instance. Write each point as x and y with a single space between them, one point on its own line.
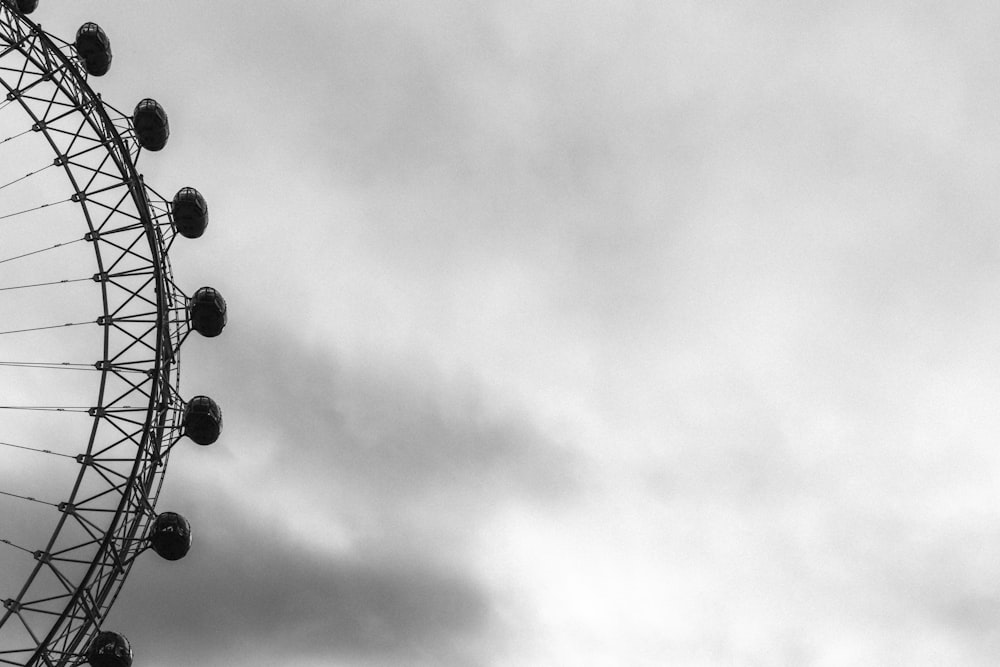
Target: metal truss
101 523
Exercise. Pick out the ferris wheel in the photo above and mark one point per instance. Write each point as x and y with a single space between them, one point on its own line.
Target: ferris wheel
91 327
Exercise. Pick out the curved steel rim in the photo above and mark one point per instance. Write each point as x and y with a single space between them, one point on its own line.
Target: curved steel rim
155 328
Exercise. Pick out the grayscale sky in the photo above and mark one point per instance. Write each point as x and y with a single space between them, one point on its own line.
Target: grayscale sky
580 333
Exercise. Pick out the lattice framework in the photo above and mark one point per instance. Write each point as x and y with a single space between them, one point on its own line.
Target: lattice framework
99 527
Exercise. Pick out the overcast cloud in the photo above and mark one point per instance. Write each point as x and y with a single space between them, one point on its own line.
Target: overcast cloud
561 333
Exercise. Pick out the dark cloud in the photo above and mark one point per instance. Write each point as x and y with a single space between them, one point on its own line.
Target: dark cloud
390 427
407 466
248 593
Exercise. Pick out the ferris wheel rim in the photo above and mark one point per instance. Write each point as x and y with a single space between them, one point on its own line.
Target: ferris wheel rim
160 418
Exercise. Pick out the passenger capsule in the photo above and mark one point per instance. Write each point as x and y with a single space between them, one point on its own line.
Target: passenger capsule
190 213
202 420
151 126
170 536
207 310
94 49
27 6
109 649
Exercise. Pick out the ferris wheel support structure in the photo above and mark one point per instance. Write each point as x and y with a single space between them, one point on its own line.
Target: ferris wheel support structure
108 517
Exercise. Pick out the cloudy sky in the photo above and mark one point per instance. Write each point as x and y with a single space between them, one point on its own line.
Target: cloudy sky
579 333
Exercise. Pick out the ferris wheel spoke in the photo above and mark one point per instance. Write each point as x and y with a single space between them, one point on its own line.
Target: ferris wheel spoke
13 136
15 546
28 498
45 284
35 208
41 250
59 366
43 328
28 175
45 408
36 449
